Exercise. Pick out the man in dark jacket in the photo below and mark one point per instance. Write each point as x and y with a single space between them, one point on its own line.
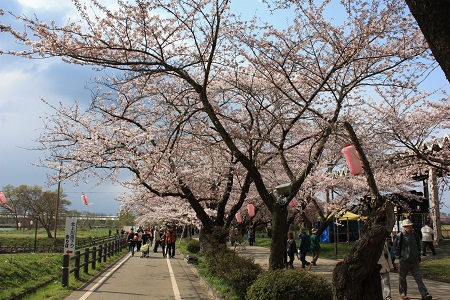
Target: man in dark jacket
407 251
303 247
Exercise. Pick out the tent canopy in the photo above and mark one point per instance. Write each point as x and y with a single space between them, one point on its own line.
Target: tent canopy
349 216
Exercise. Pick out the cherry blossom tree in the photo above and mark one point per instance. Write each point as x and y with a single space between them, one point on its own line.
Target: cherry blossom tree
265 97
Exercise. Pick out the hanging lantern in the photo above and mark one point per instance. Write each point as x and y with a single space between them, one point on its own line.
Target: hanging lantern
31 222
293 202
84 198
2 198
19 225
251 210
353 161
238 217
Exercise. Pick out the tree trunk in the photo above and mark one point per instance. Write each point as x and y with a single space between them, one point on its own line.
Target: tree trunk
49 233
279 237
432 17
358 275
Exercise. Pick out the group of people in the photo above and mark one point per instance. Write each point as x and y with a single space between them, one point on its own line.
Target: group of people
306 243
142 240
406 249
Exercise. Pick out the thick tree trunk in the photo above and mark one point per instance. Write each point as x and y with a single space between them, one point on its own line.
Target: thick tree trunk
432 17
358 275
279 237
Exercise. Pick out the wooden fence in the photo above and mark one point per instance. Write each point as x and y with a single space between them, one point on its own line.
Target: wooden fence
91 256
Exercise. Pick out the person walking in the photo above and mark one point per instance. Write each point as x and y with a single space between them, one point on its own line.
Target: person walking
139 240
386 266
407 252
251 236
156 239
162 242
171 238
427 239
131 241
303 247
315 248
291 250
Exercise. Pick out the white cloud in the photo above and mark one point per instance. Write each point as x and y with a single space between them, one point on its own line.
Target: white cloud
46 4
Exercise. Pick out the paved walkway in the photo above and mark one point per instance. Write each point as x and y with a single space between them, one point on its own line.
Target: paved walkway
439 290
160 278
145 278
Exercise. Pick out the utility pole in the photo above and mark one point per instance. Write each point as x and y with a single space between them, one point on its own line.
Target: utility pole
435 211
55 244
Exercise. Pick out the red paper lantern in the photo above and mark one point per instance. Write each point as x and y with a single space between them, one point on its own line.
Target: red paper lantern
238 217
2 198
84 198
353 161
251 210
293 202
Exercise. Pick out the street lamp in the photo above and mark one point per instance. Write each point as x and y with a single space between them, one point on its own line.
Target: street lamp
281 193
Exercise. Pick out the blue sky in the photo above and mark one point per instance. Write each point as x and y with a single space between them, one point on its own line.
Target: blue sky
24 82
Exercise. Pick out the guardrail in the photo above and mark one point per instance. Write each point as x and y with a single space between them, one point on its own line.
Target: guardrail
91 256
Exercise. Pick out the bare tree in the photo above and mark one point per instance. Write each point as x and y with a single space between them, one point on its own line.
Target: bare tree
32 203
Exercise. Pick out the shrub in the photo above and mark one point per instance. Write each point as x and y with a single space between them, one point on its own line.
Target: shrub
237 271
193 246
289 284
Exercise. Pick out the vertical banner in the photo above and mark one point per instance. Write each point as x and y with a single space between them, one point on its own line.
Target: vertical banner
71 233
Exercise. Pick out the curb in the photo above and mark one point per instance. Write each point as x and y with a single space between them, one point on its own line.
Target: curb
211 291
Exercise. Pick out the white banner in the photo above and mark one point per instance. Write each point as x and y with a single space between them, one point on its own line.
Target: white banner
71 233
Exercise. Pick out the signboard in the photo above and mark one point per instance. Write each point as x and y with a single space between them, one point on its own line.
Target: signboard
71 233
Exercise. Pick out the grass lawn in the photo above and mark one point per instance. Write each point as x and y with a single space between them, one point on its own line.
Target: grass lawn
38 276
436 269
328 250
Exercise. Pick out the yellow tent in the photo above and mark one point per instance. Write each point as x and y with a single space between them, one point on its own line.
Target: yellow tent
349 216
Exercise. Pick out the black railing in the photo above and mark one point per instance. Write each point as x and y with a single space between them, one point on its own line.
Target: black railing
109 246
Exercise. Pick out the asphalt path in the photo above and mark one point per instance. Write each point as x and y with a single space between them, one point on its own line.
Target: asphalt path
166 279
145 278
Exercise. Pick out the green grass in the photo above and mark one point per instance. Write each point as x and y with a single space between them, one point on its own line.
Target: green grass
38 276
217 284
327 249
436 269
26 237
55 291
22 273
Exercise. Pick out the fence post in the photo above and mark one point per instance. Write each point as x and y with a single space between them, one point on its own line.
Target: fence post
94 257
86 260
105 249
76 271
65 269
100 252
